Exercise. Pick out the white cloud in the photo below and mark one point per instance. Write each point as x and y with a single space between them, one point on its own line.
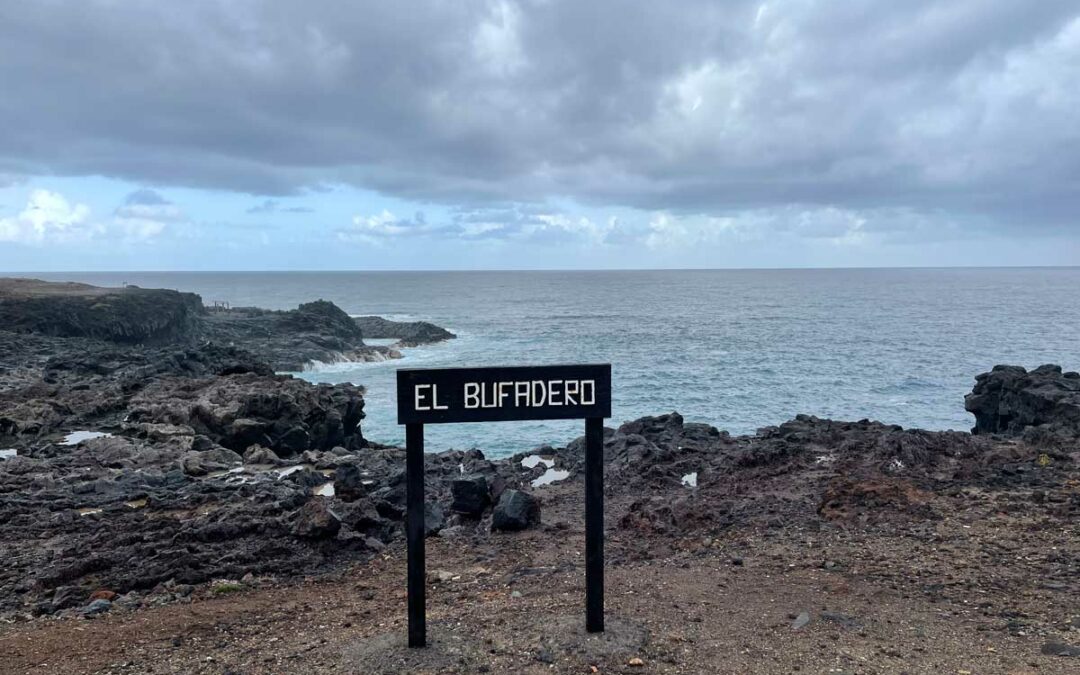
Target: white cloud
377 228
842 227
560 224
497 41
49 218
144 221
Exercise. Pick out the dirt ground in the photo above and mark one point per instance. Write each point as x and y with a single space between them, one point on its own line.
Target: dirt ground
964 596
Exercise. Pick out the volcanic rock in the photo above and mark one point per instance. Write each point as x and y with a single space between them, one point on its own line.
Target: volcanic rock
257 454
516 510
99 606
408 333
470 495
127 315
434 519
315 520
348 483
1010 400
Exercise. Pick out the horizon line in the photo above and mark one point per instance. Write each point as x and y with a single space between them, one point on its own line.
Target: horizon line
536 269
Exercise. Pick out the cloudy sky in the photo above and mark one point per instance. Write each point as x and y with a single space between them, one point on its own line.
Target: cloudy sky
245 134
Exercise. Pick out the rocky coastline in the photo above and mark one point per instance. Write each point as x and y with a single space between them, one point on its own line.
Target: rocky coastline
158 459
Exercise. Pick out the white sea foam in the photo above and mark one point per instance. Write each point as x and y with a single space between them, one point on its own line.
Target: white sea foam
76 437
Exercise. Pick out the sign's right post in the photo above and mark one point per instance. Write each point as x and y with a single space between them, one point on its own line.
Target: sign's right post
594 524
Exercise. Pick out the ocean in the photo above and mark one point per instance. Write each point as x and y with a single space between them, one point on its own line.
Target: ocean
739 349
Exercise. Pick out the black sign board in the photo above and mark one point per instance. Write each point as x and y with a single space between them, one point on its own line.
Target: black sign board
443 395
448 395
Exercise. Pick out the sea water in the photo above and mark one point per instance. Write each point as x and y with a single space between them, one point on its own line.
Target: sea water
737 349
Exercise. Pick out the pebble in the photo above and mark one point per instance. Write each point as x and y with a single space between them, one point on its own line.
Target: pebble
635 662
801 620
1060 649
99 606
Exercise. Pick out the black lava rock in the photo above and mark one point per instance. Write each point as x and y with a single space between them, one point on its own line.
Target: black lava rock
434 519
316 521
470 495
348 485
516 510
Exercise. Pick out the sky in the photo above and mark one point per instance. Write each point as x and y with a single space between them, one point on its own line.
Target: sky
540 134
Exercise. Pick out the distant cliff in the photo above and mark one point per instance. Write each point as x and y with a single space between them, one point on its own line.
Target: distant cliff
289 340
129 315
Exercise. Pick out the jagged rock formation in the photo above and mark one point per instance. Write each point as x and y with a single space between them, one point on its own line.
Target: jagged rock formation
290 340
1041 404
407 333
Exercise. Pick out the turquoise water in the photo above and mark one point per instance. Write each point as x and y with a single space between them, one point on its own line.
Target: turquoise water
737 349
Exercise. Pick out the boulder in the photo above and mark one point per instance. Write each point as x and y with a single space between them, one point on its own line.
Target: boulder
257 454
348 484
306 477
516 510
470 495
315 520
68 596
434 518
362 516
196 463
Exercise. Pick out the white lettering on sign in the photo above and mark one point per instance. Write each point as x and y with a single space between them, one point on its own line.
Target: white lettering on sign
419 397
592 392
520 394
472 395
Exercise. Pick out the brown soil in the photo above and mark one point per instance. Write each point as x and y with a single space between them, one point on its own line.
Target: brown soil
972 592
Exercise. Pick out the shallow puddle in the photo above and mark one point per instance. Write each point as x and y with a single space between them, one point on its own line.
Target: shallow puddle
326 490
690 479
550 476
533 461
76 437
89 511
7 454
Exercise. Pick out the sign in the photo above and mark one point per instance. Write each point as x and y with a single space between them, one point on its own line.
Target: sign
444 395
448 395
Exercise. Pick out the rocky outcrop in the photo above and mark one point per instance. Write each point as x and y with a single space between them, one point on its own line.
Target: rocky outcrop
277 412
1041 404
407 333
128 315
291 340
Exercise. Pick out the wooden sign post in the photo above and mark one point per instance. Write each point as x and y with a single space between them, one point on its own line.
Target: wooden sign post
449 395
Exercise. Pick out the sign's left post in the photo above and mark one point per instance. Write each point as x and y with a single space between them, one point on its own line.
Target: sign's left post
415 530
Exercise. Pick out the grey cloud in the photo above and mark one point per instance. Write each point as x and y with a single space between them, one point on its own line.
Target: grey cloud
145 197
966 107
274 206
